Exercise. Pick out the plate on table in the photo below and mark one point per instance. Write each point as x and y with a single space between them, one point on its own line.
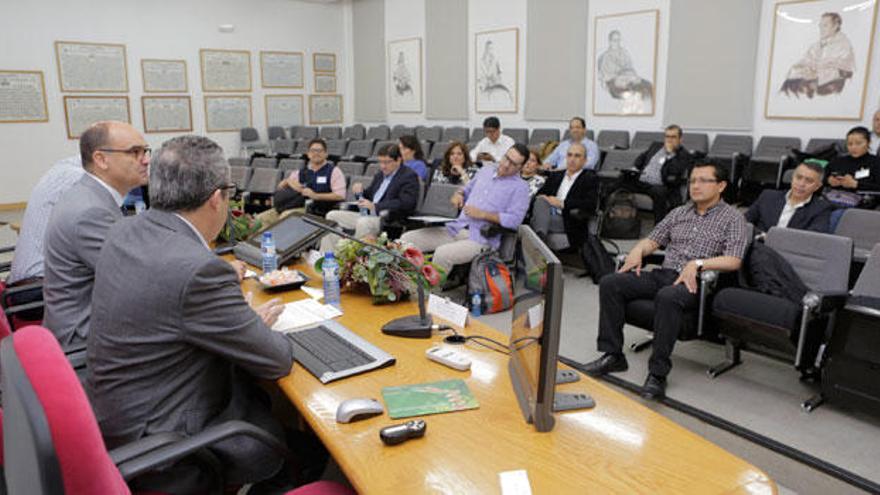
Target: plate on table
283 279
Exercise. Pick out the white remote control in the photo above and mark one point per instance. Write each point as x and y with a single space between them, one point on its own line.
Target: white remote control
449 357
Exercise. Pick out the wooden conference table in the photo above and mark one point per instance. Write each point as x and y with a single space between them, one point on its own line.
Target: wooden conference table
620 446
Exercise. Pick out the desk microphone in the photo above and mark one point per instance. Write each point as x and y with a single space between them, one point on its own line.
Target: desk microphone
415 326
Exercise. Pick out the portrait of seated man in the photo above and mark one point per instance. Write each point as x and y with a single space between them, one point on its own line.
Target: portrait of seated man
827 64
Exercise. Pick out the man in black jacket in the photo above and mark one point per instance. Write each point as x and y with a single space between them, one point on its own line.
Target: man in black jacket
394 189
564 192
662 171
798 208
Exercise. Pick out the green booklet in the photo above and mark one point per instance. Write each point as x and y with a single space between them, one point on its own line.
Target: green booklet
428 398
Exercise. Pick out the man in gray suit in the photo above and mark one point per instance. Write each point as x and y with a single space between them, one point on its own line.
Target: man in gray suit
115 158
174 345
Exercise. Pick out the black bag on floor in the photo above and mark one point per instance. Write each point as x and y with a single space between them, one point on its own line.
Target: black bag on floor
598 261
621 218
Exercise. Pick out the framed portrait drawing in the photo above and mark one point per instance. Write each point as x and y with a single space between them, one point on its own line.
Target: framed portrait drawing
82 111
625 63
820 56
325 109
324 62
91 67
325 83
228 113
166 113
225 70
405 76
281 69
164 76
284 110
496 75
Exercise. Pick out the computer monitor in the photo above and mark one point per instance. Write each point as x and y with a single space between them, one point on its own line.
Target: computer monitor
534 333
292 235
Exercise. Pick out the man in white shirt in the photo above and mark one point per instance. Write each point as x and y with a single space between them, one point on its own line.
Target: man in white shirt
577 129
492 147
874 144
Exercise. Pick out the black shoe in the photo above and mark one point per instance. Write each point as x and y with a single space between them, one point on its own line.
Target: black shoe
608 363
654 387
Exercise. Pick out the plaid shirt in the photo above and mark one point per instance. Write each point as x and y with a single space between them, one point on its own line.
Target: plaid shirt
687 235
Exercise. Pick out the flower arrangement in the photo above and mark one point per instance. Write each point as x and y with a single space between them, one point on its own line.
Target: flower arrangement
244 224
387 277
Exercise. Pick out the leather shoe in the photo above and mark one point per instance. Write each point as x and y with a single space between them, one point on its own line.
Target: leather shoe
608 363
654 387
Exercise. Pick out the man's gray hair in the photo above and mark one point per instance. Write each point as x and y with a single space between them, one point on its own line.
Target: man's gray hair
185 172
815 166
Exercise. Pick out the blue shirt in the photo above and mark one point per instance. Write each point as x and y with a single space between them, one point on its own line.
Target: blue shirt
418 167
383 187
557 158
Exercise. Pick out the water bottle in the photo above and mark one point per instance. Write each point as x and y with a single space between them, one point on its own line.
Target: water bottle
476 303
330 271
267 248
139 206
364 211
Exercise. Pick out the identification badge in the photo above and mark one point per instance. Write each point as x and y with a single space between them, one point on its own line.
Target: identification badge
862 173
322 180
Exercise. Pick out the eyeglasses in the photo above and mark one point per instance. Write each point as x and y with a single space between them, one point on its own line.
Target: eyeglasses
507 158
701 180
317 150
138 152
670 136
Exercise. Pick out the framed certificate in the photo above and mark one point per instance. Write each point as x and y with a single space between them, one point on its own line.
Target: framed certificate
167 113
91 67
225 70
82 111
325 109
325 83
324 62
284 110
281 69
227 113
164 76
22 96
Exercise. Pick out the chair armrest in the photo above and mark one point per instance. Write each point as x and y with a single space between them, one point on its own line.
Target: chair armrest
178 450
580 213
21 288
142 446
824 302
11 310
493 229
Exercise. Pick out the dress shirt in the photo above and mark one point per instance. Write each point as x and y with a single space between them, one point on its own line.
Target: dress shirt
652 173
565 186
496 149
419 168
557 158
507 196
687 235
383 187
789 209
28 260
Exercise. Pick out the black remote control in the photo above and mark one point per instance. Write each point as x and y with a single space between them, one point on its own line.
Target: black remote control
395 434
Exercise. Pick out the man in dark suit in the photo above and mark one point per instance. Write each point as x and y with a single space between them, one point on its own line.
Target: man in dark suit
394 193
565 191
798 208
662 170
173 342
115 158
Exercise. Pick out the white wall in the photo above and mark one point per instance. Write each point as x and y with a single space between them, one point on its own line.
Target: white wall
157 29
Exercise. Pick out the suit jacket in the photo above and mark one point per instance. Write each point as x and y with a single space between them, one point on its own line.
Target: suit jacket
74 236
173 341
673 170
402 196
583 195
765 211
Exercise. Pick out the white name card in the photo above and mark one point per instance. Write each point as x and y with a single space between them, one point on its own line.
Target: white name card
442 307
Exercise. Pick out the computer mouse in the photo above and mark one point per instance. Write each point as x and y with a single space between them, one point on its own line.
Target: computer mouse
356 409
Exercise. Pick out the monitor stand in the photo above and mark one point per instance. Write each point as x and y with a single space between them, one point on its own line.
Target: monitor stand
568 402
567 376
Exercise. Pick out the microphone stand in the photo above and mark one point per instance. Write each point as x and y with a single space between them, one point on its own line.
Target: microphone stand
414 326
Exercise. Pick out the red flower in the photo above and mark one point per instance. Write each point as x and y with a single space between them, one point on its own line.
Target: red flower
431 274
237 213
414 256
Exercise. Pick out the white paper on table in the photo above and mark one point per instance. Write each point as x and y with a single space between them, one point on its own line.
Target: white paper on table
303 313
250 273
448 310
313 292
515 482
431 219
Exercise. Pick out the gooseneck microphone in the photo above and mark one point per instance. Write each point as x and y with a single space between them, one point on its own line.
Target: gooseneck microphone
415 326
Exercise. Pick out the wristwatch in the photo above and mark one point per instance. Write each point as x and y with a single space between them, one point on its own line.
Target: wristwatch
699 264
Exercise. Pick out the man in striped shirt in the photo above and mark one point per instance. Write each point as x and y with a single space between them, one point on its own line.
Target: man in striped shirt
704 234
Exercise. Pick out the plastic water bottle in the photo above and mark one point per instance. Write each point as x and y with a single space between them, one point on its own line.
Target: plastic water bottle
476 303
330 271
364 211
267 248
139 206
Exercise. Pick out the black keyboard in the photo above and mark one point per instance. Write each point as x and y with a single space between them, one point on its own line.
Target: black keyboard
333 353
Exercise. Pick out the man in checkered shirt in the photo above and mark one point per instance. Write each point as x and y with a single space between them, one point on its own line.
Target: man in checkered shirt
704 234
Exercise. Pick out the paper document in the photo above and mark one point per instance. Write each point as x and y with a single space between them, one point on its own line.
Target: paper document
431 219
313 292
306 312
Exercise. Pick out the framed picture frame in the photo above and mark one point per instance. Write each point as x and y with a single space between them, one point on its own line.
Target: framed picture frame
164 76
227 113
23 93
284 110
91 67
225 70
325 83
324 62
166 113
281 69
820 60
405 76
82 111
325 109
496 72
625 48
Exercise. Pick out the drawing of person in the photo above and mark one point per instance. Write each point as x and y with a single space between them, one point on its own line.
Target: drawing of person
826 66
617 74
490 79
401 76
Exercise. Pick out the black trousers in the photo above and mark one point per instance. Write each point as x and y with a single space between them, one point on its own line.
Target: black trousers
662 197
670 303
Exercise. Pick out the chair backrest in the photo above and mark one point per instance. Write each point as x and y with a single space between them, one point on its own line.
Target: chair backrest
519 134
283 146
772 148
477 133
264 163
432 134
287 164
331 132
590 135
356 131
696 141
402 130
351 169
236 161
725 145
438 150
264 180
868 283
360 149
241 176
821 260
456 133
379 146
51 440
862 226
379 132
248 135
642 140
613 139
336 147
276 132
371 171
816 144
363 179
437 201
306 132
302 147
426 148
544 135
619 159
